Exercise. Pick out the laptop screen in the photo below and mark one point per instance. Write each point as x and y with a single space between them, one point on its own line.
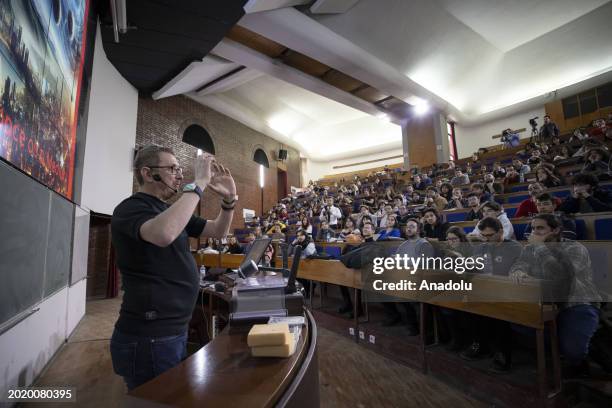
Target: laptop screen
256 252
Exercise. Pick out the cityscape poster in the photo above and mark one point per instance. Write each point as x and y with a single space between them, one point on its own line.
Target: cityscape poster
41 61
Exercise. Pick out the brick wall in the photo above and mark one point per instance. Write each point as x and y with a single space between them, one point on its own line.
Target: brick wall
163 121
99 256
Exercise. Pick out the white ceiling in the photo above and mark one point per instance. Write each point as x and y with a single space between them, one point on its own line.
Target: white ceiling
319 127
508 24
474 60
483 55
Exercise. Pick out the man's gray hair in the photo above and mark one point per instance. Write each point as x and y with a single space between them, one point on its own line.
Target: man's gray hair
148 156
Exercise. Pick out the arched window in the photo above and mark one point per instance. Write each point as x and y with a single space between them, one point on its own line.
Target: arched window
199 137
260 157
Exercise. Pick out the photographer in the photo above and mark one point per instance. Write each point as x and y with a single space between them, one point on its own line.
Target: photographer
510 138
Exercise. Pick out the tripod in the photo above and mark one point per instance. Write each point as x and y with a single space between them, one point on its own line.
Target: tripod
535 135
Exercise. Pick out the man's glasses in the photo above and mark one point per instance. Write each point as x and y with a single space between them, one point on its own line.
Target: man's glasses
173 169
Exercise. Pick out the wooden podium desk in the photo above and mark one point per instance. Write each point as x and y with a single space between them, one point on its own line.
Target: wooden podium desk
224 374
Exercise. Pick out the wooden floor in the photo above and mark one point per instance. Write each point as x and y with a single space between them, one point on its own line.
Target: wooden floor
350 375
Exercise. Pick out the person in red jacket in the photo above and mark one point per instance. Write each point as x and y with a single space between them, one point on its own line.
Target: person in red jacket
528 207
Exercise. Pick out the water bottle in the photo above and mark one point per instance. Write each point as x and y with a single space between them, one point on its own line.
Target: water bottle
202 274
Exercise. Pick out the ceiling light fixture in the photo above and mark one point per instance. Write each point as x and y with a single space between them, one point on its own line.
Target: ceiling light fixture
384 117
421 108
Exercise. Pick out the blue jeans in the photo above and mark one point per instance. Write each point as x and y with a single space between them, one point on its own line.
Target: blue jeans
139 359
576 326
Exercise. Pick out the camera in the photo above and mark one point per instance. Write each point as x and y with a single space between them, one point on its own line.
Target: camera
533 123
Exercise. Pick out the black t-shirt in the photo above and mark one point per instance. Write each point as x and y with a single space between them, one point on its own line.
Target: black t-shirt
160 284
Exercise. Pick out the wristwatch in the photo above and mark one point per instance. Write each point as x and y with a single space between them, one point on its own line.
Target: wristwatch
193 188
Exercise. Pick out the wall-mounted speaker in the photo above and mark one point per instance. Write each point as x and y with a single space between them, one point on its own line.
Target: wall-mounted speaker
282 154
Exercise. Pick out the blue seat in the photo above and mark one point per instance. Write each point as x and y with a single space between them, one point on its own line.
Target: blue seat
333 251
561 193
581 230
511 211
455 216
519 188
468 229
519 230
603 228
516 199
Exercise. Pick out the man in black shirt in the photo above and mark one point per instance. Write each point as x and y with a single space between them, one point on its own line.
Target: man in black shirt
549 129
473 201
159 274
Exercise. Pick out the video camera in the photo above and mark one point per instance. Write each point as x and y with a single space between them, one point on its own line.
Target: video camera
533 123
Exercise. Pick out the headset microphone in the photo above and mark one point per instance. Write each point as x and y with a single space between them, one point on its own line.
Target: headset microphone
158 178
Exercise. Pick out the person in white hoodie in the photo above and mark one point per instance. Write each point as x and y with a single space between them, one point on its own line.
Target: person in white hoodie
495 210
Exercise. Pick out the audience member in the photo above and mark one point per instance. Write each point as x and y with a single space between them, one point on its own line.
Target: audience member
522 169
325 234
391 230
418 183
305 225
433 225
482 194
475 213
434 199
527 207
387 211
277 234
494 210
457 200
586 196
545 177
512 177
331 213
546 204
303 240
233 246
568 262
446 191
460 178
597 161
498 171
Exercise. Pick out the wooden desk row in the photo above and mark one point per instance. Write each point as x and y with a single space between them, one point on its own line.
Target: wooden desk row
535 315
